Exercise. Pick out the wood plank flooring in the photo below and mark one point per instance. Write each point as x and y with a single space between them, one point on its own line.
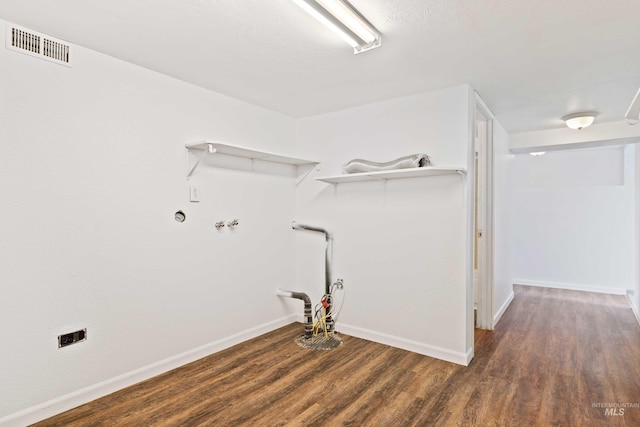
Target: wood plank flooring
555 359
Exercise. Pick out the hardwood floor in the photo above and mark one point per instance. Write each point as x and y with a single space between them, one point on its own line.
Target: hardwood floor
556 358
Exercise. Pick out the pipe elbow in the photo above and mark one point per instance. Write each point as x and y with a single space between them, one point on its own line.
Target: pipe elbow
292 294
297 226
301 296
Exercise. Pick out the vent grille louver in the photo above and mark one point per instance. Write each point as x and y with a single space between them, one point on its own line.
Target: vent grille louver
38 45
24 40
56 50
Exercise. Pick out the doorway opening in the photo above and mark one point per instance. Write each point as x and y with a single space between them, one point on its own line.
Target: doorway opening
483 218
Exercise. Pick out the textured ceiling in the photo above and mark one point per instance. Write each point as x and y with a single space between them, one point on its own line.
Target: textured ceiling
531 61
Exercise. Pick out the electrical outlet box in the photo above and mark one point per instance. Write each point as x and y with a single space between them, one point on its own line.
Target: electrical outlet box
72 338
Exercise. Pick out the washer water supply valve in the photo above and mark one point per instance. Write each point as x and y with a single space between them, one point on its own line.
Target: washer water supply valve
230 224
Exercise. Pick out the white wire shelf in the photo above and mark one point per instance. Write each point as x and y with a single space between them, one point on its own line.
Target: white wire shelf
213 147
393 174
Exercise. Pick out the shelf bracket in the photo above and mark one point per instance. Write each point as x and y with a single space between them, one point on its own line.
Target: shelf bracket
209 150
304 175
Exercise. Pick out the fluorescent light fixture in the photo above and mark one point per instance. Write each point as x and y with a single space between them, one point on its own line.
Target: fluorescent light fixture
632 115
341 18
580 120
537 153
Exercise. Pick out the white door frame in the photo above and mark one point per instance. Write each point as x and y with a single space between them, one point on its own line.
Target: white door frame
486 266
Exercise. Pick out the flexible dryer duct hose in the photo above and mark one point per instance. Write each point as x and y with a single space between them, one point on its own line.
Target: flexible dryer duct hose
412 161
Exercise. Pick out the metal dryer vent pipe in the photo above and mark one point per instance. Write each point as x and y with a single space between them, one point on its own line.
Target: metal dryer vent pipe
308 316
328 251
327 265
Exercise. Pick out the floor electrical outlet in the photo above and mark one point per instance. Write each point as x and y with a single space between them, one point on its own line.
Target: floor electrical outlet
72 338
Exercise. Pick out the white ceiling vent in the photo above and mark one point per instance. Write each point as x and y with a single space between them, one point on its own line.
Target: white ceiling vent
39 45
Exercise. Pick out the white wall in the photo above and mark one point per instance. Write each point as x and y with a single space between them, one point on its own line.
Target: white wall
92 169
502 202
634 295
400 246
572 212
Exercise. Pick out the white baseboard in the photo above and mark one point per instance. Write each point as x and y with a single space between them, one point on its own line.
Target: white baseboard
80 397
571 286
469 355
405 344
503 308
634 309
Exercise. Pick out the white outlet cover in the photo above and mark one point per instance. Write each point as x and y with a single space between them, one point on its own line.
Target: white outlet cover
194 193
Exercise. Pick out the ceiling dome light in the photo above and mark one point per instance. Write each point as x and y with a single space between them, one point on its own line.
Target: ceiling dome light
580 120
